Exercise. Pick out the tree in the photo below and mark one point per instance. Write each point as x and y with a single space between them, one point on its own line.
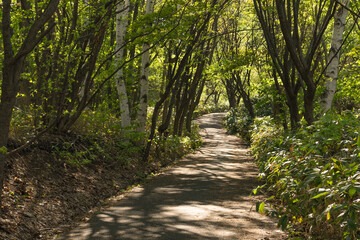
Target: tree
121 28
305 58
144 75
13 64
196 29
302 38
332 69
281 62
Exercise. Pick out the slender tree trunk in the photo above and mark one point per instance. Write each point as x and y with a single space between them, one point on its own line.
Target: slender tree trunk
332 70
309 96
144 79
181 98
165 95
189 49
193 106
121 27
166 76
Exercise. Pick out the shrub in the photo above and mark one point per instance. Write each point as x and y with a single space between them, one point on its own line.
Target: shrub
238 121
314 173
172 147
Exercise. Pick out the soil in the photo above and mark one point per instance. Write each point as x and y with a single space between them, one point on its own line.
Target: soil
205 196
44 195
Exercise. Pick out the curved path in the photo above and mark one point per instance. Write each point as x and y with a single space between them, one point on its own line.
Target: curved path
205 196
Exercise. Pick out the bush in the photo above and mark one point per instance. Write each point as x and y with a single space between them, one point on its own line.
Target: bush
172 147
238 121
314 174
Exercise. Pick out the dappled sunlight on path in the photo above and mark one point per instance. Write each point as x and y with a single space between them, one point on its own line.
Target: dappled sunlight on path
206 196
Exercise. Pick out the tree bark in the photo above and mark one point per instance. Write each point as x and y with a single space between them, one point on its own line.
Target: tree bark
144 76
332 70
121 27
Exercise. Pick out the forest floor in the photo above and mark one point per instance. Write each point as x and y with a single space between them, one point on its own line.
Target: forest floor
205 196
45 196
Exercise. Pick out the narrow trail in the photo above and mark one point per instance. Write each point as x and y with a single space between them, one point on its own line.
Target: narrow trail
205 196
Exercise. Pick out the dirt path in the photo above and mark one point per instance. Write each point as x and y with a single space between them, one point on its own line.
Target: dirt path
205 196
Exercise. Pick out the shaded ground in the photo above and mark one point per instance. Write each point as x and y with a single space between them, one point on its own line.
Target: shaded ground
44 195
206 196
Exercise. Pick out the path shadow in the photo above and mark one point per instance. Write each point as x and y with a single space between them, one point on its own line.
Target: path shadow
206 196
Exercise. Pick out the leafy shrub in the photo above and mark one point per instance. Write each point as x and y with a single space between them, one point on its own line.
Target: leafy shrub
262 105
314 174
173 147
238 121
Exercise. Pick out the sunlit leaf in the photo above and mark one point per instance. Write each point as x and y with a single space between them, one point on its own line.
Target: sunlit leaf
352 191
261 208
320 195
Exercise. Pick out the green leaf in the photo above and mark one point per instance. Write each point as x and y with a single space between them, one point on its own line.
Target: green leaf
261 208
357 206
283 222
321 195
337 164
351 225
3 150
352 191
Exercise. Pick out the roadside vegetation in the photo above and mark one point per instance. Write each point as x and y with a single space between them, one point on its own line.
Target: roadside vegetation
312 175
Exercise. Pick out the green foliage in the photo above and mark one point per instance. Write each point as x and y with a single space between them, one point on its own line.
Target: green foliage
3 150
348 93
172 147
23 123
314 174
238 121
75 157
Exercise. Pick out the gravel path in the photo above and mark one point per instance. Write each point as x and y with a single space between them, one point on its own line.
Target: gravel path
205 196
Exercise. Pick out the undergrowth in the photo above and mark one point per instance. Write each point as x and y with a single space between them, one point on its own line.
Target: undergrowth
313 175
97 135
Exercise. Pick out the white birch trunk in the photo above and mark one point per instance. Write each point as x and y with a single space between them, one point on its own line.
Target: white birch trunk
144 76
332 71
121 27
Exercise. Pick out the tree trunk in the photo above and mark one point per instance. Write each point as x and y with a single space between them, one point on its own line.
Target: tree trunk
165 95
182 93
9 89
193 106
144 79
13 66
309 96
332 70
121 27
